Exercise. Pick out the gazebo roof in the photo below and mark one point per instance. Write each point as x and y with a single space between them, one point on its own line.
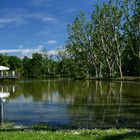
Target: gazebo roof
4 68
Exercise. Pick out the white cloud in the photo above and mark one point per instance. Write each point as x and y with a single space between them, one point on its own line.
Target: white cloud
49 18
41 16
70 10
40 46
51 42
20 46
5 21
38 2
12 17
13 20
45 3
23 51
20 16
29 51
10 51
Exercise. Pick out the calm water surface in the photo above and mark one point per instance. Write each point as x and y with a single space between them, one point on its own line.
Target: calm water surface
81 104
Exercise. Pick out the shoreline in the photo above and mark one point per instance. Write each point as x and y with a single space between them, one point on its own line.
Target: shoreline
19 133
43 126
124 78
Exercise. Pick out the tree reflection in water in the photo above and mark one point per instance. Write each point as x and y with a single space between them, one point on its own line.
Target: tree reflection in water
89 104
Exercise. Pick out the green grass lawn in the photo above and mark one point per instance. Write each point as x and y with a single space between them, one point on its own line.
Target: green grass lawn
95 134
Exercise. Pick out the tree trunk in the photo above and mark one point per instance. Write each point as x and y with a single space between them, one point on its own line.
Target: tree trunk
87 73
100 72
96 70
120 70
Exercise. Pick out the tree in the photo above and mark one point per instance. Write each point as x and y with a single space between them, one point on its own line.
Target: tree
106 23
4 59
36 65
79 45
131 11
45 59
98 43
15 63
26 67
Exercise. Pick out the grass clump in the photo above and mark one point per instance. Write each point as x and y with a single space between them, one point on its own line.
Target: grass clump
79 134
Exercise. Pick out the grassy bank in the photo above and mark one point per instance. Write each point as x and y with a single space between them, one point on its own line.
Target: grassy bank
80 134
10 131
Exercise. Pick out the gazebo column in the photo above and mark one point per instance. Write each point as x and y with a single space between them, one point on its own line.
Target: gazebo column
13 73
1 73
7 73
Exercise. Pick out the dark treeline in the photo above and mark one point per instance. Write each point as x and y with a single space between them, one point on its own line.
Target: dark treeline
106 45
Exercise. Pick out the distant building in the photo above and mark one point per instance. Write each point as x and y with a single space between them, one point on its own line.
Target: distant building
5 74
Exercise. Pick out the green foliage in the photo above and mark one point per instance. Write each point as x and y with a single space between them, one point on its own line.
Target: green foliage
4 60
111 134
107 45
26 67
15 63
36 65
110 42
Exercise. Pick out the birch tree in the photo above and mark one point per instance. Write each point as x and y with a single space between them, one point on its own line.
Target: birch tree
106 22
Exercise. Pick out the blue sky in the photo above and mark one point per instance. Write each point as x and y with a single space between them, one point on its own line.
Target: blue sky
27 26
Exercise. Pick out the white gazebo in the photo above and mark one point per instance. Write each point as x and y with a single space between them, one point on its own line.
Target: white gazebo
3 68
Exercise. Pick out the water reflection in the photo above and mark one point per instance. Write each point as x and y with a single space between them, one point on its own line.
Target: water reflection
87 104
3 96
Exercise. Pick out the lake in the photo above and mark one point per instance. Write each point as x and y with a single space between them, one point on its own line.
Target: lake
79 104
